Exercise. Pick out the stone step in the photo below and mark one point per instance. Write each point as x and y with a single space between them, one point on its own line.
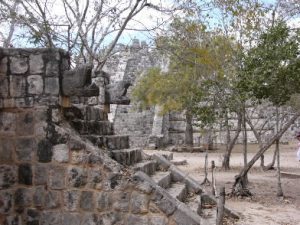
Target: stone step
83 112
93 127
127 157
178 190
111 142
162 178
149 167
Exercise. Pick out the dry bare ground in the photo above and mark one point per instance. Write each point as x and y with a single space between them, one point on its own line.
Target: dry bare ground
264 208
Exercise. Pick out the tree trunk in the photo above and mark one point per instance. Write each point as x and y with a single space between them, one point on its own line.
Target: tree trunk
239 184
245 143
279 187
230 143
189 129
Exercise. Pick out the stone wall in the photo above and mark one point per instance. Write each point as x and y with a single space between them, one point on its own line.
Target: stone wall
48 174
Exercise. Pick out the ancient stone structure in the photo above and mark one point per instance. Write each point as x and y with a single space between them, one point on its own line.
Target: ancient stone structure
61 163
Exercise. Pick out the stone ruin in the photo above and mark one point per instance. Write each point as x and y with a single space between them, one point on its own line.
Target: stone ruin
62 163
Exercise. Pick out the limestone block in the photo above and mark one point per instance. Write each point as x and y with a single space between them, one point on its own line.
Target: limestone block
36 64
137 220
17 86
51 218
6 202
18 65
39 196
35 84
23 102
44 151
3 87
3 66
40 174
87 201
91 219
23 197
78 157
52 199
139 202
25 174
104 201
33 216
95 178
25 148
71 219
52 69
116 218
8 176
13 220
157 220
25 124
57 177
61 153
52 86
71 200
121 201
6 150
77 176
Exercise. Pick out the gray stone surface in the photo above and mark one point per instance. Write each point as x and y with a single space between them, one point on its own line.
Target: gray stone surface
3 66
18 65
25 124
71 219
77 176
137 220
41 174
35 84
139 203
52 86
8 176
51 218
52 68
36 64
87 201
57 177
39 194
3 87
71 200
104 201
6 150
6 203
157 220
23 197
17 86
95 177
7 123
25 174
25 149
121 201
32 216
61 153
52 200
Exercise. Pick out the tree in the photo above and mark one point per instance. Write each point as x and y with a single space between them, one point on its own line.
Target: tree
88 29
271 72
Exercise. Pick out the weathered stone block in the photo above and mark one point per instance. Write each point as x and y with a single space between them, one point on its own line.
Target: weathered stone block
44 151
71 200
78 157
137 220
121 201
13 220
25 147
115 218
25 102
95 178
39 194
104 201
87 201
40 174
77 176
157 220
3 87
25 124
23 197
6 150
6 202
52 199
52 86
51 218
35 84
71 219
25 174
8 176
3 66
36 64
52 69
7 123
18 65
57 177
17 87
61 153
164 203
33 217
139 202
91 219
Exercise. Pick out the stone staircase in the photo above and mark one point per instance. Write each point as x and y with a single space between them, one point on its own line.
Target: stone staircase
176 189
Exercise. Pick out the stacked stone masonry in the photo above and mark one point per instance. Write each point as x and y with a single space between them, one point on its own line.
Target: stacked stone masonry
51 173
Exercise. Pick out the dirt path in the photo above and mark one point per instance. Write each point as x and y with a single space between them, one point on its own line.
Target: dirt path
264 208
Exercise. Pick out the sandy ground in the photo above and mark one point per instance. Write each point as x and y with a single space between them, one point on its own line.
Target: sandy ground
264 208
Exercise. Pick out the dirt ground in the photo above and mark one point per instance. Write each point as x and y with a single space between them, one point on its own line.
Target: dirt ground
264 208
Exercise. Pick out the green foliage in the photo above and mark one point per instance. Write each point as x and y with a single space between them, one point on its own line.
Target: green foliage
271 70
